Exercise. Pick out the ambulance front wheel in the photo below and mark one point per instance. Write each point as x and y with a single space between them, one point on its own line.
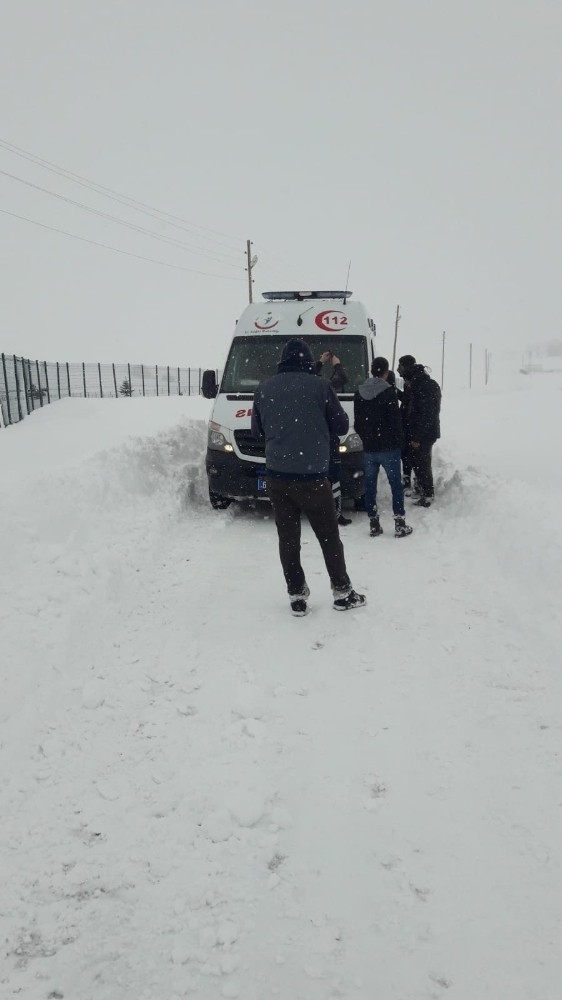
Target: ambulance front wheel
218 502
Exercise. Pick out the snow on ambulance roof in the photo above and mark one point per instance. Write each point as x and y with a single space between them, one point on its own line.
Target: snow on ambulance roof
300 313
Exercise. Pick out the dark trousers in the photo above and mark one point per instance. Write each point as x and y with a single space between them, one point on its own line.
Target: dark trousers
313 497
334 475
422 468
407 461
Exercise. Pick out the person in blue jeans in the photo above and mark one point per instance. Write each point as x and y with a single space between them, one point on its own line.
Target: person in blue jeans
378 423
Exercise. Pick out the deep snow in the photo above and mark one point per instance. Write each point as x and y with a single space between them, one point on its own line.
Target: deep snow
202 796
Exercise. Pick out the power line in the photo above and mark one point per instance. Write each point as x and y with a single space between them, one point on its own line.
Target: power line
123 222
127 253
123 199
290 267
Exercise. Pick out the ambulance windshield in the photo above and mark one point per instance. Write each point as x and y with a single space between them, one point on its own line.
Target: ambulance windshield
253 359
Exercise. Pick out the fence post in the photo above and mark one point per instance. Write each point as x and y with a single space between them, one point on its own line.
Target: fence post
84 377
47 382
39 386
129 377
189 381
58 378
115 381
8 407
30 381
199 381
168 380
156 379
68 379
179 383
25 386
17 381
142 376
99 376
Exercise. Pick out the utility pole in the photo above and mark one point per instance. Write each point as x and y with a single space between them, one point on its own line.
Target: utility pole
396 322
251 263
443 362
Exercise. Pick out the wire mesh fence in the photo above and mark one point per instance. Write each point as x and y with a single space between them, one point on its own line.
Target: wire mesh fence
27 385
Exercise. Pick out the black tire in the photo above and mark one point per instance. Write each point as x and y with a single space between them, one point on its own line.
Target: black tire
218 502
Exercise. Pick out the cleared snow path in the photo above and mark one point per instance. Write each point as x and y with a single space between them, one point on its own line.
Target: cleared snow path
202 796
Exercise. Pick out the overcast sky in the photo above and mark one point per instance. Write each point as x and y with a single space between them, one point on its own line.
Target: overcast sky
420 140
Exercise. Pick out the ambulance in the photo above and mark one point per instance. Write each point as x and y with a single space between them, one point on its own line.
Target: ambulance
327 321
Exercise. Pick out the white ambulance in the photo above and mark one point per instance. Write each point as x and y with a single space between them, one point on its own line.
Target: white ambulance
327 321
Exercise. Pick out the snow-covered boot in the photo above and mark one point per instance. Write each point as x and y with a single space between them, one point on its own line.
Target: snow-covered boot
401 529
342 521
349 602
299 607
375 526
423 502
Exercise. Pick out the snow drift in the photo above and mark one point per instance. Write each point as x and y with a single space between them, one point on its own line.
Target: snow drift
202 796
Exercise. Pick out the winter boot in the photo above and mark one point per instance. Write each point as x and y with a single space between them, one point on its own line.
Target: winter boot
422 502
375 526
401 529
342 521
349 602
299 607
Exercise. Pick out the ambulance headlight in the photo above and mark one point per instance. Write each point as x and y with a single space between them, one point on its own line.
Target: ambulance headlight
352 443
216 438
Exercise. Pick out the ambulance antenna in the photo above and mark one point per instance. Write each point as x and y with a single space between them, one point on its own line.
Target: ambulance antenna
346 285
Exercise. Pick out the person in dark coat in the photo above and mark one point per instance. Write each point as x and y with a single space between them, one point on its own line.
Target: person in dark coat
338 377
378 423
407 455
297 414
422 405
337 380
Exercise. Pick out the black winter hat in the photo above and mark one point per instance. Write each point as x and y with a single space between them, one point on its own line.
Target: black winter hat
297 352
407 361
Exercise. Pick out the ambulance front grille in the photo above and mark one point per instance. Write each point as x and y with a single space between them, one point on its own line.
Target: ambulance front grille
247 445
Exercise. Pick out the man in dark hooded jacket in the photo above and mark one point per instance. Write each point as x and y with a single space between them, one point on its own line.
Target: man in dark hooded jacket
378 423
297 414
422 405
338 380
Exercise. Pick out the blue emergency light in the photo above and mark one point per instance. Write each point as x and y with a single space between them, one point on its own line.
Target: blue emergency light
302 296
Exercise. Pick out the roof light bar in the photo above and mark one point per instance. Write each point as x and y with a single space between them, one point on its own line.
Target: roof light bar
301 296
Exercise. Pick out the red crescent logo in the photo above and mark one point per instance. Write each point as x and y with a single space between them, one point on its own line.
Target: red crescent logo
268 323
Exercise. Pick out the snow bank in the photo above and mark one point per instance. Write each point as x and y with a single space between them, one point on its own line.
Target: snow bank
202 796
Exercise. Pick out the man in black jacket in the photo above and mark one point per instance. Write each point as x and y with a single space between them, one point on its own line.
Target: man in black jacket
379 425
407 458
337 380
422 405
297 414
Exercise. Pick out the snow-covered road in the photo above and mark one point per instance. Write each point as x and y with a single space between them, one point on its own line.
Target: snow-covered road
202 796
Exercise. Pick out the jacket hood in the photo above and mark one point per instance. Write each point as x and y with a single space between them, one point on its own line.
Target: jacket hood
296 357
418 371
373 387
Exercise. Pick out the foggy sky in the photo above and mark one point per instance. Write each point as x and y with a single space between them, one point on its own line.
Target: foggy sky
420 140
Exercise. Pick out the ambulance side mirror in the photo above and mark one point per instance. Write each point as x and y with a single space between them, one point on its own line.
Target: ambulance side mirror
209 387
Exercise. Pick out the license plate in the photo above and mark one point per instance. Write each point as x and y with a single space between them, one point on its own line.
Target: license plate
261 486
